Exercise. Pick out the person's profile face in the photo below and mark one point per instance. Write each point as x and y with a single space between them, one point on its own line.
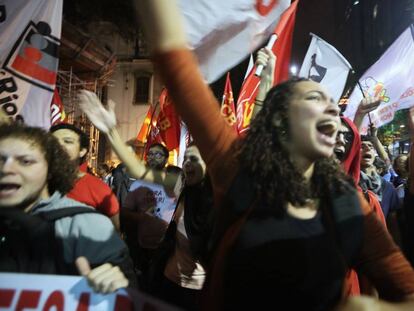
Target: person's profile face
70 141
313 121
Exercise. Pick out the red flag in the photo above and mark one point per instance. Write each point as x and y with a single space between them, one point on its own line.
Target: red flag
57 112
227 104
146 125
282 49
168 122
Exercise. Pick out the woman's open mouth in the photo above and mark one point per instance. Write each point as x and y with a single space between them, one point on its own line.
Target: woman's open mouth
7 189
327 130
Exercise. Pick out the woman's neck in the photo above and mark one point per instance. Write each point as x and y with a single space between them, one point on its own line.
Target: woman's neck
304 166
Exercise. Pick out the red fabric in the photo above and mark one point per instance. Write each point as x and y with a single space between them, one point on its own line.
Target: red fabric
282 49
92 191
57 112
83 167
146 125
168 122
352 167
227 105
351 164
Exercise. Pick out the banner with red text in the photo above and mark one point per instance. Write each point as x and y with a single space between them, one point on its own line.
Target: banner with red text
227 104
30 33
223 33
168 122
391 78
19 291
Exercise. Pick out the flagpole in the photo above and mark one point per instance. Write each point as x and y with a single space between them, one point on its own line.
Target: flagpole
150 127
269 45
363 94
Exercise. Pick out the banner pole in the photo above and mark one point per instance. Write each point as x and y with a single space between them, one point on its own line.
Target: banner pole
269 45
371 125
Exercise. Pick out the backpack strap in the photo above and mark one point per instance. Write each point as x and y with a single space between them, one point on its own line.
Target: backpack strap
66 212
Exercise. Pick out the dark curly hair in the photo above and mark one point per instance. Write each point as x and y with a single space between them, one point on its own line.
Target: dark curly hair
62 172
263 156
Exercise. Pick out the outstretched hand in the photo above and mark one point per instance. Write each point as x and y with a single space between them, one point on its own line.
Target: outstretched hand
368 104
103 279
102 118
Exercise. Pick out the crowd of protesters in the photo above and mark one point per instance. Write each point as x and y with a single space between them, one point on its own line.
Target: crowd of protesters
302 213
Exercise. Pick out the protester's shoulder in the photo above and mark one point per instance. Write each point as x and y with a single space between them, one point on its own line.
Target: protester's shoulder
92 224
88 225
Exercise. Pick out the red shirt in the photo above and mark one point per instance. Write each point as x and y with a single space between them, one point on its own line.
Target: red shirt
92 191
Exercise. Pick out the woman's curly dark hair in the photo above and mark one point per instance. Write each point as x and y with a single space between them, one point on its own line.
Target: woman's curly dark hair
62 172
263 156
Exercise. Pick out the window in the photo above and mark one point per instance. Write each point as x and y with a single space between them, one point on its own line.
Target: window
142 89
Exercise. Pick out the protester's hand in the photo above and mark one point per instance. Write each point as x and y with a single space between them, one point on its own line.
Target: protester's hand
104 119
103 279
162 24
372 133
366 303
368 104
267 59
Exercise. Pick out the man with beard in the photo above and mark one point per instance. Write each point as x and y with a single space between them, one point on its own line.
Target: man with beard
88 189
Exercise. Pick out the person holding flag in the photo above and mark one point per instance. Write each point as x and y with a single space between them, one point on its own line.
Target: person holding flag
290 223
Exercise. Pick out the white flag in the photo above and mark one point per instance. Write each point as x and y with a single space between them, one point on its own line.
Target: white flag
391 78
324 64
223 32
29 41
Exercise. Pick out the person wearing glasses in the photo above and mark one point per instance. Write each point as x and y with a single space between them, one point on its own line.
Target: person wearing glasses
157 156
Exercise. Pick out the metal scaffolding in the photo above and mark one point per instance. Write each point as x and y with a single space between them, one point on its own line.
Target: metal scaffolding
68 85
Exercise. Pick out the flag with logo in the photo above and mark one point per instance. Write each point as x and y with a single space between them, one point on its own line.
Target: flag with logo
282 49
149 122
165 127
223 33
324 64
168 122
227 104
30 33
391 78
57 111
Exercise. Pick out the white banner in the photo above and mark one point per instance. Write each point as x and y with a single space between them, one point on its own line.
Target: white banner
324 64
391 78
20 291
51 292
223 33
29 41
